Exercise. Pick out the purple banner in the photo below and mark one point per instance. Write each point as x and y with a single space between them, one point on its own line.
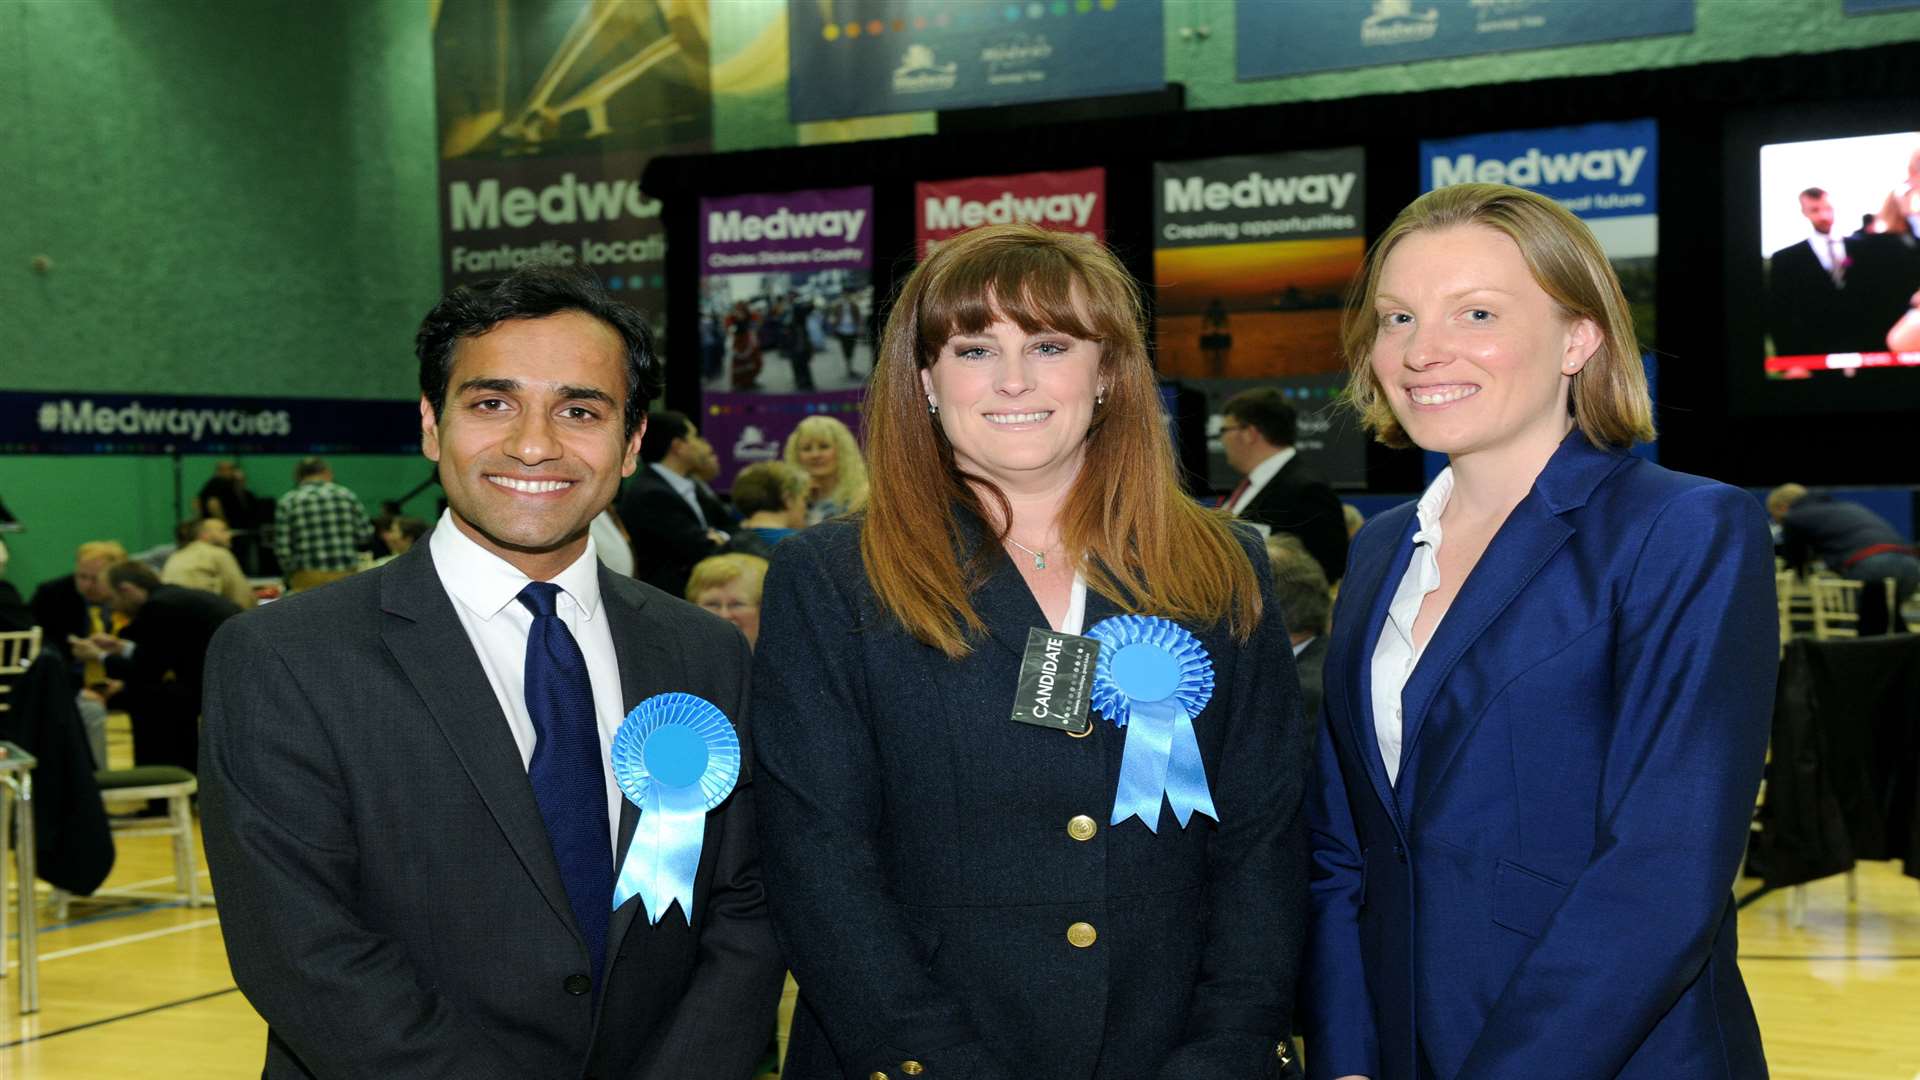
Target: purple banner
796 232
747 429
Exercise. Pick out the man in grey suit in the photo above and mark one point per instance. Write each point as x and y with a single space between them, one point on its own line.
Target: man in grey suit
409 810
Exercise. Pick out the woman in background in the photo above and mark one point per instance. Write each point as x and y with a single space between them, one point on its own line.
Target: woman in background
729 586
963 895
827 451
1548 688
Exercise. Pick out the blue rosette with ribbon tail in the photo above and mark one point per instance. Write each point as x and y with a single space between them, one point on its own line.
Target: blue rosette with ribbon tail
1152 678
676 756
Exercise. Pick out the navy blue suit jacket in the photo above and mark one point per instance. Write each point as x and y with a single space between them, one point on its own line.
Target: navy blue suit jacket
922 875
1546 891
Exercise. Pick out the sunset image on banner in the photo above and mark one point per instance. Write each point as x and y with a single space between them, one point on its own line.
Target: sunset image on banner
1242 311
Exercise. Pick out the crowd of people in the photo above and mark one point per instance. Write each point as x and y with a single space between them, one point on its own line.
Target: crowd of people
496 807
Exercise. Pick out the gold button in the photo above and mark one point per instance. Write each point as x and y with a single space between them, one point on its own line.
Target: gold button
1081 935
912 1068
1284 1053
1082 827
876 1075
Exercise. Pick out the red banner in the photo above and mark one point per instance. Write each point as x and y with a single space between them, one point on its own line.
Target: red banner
1074 202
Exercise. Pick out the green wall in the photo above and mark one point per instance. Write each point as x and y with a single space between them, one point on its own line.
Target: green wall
238 198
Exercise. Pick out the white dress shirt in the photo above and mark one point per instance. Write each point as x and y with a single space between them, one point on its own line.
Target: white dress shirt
485 590
1075 622
687 488
611 543
1259 477
1396 654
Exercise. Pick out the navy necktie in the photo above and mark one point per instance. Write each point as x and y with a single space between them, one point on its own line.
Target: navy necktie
569 782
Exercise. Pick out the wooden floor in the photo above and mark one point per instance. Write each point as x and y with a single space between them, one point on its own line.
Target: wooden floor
134 984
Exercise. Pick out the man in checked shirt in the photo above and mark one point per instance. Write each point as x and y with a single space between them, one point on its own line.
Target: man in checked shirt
319 528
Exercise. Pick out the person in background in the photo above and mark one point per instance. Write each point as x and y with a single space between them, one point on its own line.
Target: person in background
674 523
14 612
225 496
826 449
962 895
1306 603
160 656
321 528
80 605
772 500
729 586
611 541
206 562
1548 690
1279 491
1852 541
399 533
1354 518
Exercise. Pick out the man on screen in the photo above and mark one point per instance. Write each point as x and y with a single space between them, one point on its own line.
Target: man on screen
409 808
1835 294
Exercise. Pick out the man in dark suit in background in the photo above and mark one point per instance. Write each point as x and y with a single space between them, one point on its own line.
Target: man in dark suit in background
411 815
1829 294
1306 604
673 518
159 656
1278 490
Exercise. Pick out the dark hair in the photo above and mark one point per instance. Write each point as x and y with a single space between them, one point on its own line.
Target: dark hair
533 292
1300 587
412 528
314 466
767 486
663 427
1814 193
1267 411
133 572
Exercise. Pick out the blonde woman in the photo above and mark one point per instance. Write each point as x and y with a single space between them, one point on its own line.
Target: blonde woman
963 895
729 586
826 449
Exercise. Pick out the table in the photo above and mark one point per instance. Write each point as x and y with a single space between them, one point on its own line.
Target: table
16 801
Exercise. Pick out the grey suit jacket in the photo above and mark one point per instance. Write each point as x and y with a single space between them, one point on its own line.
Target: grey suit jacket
389 897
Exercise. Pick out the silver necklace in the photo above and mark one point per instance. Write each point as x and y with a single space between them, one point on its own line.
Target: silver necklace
1039 557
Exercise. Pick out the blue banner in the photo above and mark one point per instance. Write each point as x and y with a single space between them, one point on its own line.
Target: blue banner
1327 35
873 57
80 422
1868 7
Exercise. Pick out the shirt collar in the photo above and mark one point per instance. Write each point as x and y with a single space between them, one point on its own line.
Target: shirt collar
1271 467
485 583
1432 505
682 484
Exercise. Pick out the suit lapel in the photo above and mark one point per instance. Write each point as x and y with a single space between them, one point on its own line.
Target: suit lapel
424 634
1369 593
646 661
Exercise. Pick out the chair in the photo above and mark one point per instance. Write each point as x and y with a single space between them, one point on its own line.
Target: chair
18 649
1836 608
142 783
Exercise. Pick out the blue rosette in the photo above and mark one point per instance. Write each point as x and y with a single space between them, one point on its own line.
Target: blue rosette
676 756
1152 678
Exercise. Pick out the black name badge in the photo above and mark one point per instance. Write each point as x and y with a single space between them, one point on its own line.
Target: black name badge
1056 681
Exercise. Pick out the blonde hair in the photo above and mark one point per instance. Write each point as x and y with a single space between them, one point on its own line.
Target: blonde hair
111 550
1142 543
719 570
849 490
1781 499
1609 398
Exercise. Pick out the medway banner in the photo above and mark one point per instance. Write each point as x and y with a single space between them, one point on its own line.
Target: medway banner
1252 256
549 110
83 422
786 296
1607 174
875 57
1326 35
1073 202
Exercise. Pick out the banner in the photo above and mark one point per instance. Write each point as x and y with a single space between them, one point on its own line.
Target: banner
786 303
82 422
1607 174
1291 39
1868 7
548 113
872 57
1252 257
1073 202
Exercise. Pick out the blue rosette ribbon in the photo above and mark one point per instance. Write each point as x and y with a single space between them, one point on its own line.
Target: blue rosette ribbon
1152 678
676 757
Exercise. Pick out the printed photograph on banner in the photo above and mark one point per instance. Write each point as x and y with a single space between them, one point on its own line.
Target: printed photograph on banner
1252 256
549 111
786 316
1606 174
1840 243
1073 202
872 57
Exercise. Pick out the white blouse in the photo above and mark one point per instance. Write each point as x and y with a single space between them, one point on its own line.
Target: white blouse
1396 654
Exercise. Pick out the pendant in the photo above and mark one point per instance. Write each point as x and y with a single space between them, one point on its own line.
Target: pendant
1039 560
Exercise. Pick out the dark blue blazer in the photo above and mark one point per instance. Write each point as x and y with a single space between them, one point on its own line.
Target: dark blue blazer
1546 891
922 875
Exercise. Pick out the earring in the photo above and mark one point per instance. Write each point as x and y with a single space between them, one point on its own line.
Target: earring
933 408
1100 397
